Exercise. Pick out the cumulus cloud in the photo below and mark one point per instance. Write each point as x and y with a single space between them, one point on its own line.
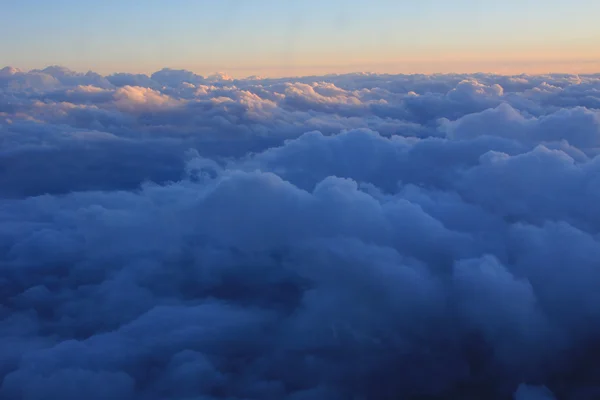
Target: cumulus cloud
136 98
354 236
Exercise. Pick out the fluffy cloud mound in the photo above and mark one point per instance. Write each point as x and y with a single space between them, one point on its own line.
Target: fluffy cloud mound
342 237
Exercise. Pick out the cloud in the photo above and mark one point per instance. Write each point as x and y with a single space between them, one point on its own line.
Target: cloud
578 127
348 236
135 98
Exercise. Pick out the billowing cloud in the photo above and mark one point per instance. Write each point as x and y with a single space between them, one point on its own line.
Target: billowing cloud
362 236
136 98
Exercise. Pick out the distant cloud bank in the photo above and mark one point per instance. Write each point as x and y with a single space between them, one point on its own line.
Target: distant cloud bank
355 236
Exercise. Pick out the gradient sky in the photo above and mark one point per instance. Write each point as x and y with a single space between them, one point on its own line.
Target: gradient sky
287 37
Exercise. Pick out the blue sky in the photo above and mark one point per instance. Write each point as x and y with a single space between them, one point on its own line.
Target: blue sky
275 37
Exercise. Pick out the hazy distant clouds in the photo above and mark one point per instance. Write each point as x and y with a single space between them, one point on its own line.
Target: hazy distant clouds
365 236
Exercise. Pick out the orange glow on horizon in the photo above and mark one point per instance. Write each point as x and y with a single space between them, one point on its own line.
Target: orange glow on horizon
576 60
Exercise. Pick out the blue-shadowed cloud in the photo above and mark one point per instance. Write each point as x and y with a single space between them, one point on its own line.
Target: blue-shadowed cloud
333 237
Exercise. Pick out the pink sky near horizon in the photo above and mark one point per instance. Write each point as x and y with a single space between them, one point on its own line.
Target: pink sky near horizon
312 37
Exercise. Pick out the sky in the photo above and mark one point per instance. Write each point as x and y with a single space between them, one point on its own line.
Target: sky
280 38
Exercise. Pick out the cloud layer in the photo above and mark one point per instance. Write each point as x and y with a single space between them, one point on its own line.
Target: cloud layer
340 237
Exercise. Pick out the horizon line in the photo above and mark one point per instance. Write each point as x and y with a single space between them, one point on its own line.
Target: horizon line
226 71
